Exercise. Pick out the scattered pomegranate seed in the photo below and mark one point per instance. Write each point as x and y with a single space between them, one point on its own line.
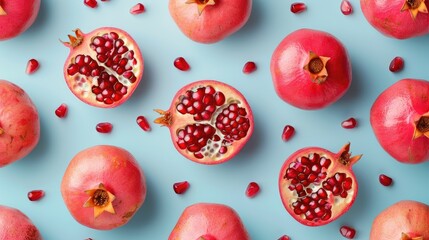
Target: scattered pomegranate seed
137 9
288 132
35 195
348 232
249 67
252 189
32 66
397 64
61 111
385 180
143 123
349 123
104 127
181 64
298 7
90 3
284 237
180 187
346 7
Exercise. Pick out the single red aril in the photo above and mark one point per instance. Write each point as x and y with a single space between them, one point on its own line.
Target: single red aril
32 66
137 9
61 111
288 132
181 187
35 195
181 64
104 67
249 67
347 232
400 120
298 7
349 123
104 127
318 186
16 225
397 64
385 180
346 7
143 123
284 237
90 3
252 189
209 121
16 16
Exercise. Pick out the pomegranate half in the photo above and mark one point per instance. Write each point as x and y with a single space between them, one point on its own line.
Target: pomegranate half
310 69
104 67
15 225
16 16
19 123
400 120
103 187
209 121
318 186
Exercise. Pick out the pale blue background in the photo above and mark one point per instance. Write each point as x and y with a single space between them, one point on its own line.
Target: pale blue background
161 42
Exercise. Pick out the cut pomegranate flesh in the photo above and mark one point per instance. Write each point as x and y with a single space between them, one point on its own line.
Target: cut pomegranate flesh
288 132
61 111
397 64
252 189
35 195
181 187
104 127
298 7
385 180
284 237
137 9
349 123
348 232
249 67
32 66
181 64
346 7
90 3
143 123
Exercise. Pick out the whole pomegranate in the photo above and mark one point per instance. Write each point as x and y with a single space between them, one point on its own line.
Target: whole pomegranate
318 186
310 69
103 187
209 21
104 67
16 16
19 123
400 120
209 221
399 19
15 225
209 121
404 220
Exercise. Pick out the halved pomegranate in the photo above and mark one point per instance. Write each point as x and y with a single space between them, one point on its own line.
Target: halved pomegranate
318 186
104 67
209 121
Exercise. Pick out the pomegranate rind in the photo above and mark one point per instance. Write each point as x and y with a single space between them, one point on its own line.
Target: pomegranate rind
15 225
19 16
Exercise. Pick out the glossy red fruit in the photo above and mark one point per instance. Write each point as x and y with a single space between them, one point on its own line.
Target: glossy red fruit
137 9
252 189
90 3
32 66
16 16
249 67
181 187
209 21
288 132
104 127
349 123
61 111
318 186
103 187
181 64
298 7
385 180
16 225
209 121
284 237
310 69
143 123
104 67
397 64
347 232
35 195
400 120
346 7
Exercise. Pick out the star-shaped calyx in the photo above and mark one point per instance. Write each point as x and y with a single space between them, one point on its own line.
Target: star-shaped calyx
407 237
201 4
415 6
421 127
2 11
316 66
100 199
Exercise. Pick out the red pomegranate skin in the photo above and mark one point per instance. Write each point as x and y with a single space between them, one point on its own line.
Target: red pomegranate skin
215 22
393 116
19 123
15 225
293 83
404 217
211 221
120 173
20 15
386 16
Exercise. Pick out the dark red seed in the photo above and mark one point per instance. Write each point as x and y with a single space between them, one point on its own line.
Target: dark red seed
35 195
397 64
348 232
349 123
249 67
298 7
137 9
385 180
181 64
90 3
61 111
181 187
346 7
252 189
284 237
143 123
104 127
288 132
32 66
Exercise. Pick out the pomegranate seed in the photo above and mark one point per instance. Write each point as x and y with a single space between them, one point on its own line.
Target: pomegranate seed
35 195
143 123
181 64
298 7
90 3
137 9
397 64
252 189
32 66
180 187
348 232
249 67
284 237
346 7
349 123
61 111
385 180
104 127
288 132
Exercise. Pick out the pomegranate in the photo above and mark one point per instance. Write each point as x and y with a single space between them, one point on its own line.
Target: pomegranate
103 187
209 121
15 225
209 221
404 220
16 16
400 120
19 123
104 67
318 186
400 19
209 21
310 69
298 7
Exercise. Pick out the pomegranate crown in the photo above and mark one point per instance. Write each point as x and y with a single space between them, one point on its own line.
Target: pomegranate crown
74 40
201 4
345 156
415 7
2 11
